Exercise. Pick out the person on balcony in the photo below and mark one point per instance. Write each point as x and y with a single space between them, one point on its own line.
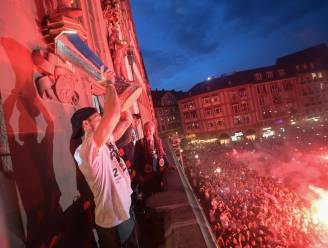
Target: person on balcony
104 170
150 161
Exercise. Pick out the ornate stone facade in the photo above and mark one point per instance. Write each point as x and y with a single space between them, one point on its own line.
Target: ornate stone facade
40 90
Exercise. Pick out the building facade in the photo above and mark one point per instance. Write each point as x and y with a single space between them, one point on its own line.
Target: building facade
167 111
245 102
52 52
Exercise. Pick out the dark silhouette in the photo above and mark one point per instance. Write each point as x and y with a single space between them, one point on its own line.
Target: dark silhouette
32 159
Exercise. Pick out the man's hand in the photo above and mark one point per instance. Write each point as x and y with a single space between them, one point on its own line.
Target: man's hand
108 76
98 89
123 124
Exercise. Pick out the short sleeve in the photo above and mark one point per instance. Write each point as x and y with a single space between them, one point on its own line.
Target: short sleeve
88 152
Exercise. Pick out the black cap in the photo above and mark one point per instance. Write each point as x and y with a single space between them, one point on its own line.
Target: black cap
78 117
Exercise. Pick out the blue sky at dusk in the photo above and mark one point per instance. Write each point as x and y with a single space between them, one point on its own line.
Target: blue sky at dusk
184 42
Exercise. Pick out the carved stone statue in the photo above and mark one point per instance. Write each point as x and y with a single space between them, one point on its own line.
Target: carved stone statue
57 81
118 48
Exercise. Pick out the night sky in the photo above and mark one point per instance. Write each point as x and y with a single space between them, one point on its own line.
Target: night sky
184 42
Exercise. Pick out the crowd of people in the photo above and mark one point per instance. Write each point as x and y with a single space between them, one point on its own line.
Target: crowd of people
246 208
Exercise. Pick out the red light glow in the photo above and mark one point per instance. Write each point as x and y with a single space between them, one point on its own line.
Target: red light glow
319 207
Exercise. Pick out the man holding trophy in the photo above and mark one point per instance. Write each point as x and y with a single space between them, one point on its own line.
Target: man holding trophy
101 165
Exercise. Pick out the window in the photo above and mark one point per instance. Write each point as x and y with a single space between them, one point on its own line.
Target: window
186 115
215 98
241 120
266 115
195 125
235 108
245 106
208 112
320 75
314 75
240 108
206 100
218 110
258 76
189 105
193 114
297 68
242 93
220 123
269 74
233 96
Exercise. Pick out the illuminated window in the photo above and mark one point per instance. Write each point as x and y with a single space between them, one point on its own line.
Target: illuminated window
269 74
314 75
320 75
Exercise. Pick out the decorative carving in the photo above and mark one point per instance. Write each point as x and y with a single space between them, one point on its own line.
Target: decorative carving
44 86
112 13
64 88
118 46
5 158
57 80
64 8
61 17
118 49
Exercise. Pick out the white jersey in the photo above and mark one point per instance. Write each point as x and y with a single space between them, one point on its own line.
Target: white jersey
108 180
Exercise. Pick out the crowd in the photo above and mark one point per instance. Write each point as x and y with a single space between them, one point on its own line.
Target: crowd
246 208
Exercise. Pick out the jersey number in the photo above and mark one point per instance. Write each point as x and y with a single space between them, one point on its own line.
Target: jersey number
115 172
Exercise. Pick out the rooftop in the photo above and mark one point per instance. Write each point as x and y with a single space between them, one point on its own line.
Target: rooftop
317 55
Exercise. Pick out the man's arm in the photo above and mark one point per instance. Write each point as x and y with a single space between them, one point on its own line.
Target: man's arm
122 126
110 118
